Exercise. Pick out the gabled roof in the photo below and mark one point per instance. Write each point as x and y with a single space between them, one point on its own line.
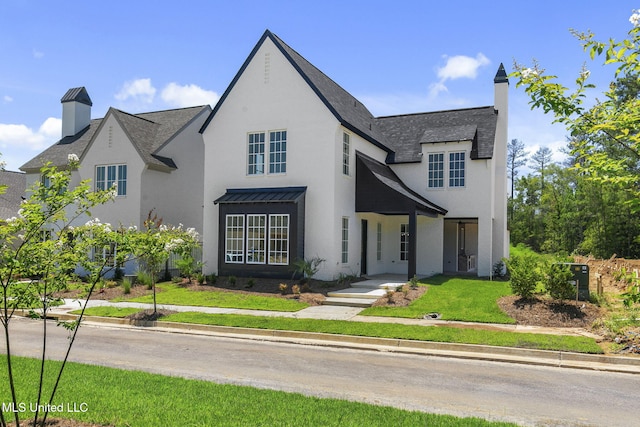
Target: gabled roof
406 133
148 132
380 190
399 136
11 199
350 112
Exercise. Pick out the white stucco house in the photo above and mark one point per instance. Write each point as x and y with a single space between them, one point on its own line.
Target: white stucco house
155 158
296 167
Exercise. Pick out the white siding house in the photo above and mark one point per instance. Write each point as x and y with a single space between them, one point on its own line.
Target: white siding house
155 159
413 194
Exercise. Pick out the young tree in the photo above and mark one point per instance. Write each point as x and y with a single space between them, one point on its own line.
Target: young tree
156 243
609 124
39 250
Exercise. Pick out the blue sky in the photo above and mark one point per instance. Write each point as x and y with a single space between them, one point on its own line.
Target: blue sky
396 57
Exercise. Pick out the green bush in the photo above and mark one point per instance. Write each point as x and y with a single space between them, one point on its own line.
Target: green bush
144 278
525 274
126 285
212 279
557 282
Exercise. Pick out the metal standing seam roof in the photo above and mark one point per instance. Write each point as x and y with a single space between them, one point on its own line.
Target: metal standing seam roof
262 195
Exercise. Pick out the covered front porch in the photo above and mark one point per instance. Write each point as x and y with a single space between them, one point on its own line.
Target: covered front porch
380 191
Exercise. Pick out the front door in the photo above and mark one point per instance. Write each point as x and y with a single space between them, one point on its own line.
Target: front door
363 253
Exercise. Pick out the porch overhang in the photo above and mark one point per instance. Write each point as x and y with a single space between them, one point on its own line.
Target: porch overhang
380 190
262 195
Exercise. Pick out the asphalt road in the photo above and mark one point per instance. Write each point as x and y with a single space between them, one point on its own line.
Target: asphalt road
527 395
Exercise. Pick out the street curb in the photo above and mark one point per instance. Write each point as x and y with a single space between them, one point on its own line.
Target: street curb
562 359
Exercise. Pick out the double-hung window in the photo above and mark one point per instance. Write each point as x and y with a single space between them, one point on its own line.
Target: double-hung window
259 151
436 170
112 175
456 169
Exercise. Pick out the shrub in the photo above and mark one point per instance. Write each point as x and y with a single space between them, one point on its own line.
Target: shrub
413 282
250 283
126 285
557 282
524 273
200 278
212 279
296 290
307 267
144 278
283 288
499 269
186 266
232 280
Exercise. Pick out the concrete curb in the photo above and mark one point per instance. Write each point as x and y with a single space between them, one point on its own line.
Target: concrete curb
561 359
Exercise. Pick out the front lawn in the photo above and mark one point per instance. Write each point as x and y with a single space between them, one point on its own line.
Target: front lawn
169 293
396 331
132 398
466 299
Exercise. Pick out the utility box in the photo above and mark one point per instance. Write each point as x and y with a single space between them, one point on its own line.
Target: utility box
580 279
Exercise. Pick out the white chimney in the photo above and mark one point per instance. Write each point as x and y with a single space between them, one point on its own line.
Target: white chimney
76 111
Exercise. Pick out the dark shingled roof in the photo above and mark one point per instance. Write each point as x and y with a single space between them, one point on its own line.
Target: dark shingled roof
388 180
78 94
11 200
147 131
399 136
406 133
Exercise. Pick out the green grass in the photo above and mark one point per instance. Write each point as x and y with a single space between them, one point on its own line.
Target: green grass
177 295
455 298
108 311
396 331
133 398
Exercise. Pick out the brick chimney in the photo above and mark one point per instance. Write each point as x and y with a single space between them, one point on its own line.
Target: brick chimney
76 111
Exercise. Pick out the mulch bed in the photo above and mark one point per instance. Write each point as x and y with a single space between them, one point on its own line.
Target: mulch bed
547 312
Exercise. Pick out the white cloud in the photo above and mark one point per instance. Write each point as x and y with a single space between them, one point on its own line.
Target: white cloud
37 54
460 66
23 137
457 67
7 98
140 90
188 95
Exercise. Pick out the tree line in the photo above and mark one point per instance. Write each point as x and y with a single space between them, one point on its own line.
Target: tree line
590 204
